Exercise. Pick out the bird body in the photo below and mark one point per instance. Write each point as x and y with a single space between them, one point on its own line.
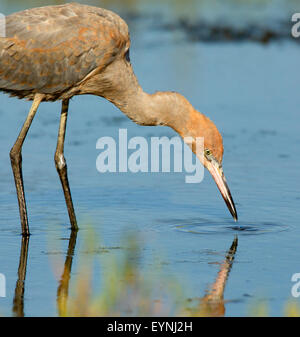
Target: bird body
56 52
53 50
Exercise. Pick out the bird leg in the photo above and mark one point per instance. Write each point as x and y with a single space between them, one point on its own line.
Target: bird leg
63 288
18 302
16 163
61 164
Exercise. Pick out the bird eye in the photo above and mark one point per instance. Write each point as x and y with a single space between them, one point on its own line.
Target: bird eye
127 57
207 152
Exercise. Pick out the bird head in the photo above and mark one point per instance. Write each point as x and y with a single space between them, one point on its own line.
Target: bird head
211 154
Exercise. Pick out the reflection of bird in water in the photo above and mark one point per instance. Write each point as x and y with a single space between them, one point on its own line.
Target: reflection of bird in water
18 303
63 288
213 304
56 52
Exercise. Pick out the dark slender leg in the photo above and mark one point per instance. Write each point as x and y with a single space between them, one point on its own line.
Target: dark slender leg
61 165
16 163
63 288
18 303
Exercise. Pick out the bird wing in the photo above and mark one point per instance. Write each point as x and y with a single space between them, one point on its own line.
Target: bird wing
50 49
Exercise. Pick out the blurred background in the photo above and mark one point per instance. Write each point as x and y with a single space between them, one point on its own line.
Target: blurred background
235 61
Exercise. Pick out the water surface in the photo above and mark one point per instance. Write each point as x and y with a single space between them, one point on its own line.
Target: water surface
249 89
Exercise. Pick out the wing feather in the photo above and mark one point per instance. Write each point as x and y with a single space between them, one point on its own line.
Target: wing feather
50 49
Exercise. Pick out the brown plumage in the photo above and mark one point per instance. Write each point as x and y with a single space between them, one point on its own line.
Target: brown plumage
51 50
55 52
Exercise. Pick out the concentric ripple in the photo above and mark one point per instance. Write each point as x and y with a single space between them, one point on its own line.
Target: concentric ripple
203 226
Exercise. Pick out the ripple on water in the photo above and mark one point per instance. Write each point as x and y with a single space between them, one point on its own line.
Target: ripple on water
202 226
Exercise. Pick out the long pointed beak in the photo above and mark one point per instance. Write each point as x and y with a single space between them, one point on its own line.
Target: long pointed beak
217 173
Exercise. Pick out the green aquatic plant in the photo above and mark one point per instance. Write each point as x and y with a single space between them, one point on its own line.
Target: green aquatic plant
126 289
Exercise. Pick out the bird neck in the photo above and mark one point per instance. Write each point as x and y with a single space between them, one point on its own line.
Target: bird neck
173 110
119 85
161 108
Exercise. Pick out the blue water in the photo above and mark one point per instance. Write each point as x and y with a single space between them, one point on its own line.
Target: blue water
250 90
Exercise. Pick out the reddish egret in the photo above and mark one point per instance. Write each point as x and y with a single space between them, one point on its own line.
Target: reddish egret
56 52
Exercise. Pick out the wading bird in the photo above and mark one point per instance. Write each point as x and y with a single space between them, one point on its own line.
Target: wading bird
56 52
